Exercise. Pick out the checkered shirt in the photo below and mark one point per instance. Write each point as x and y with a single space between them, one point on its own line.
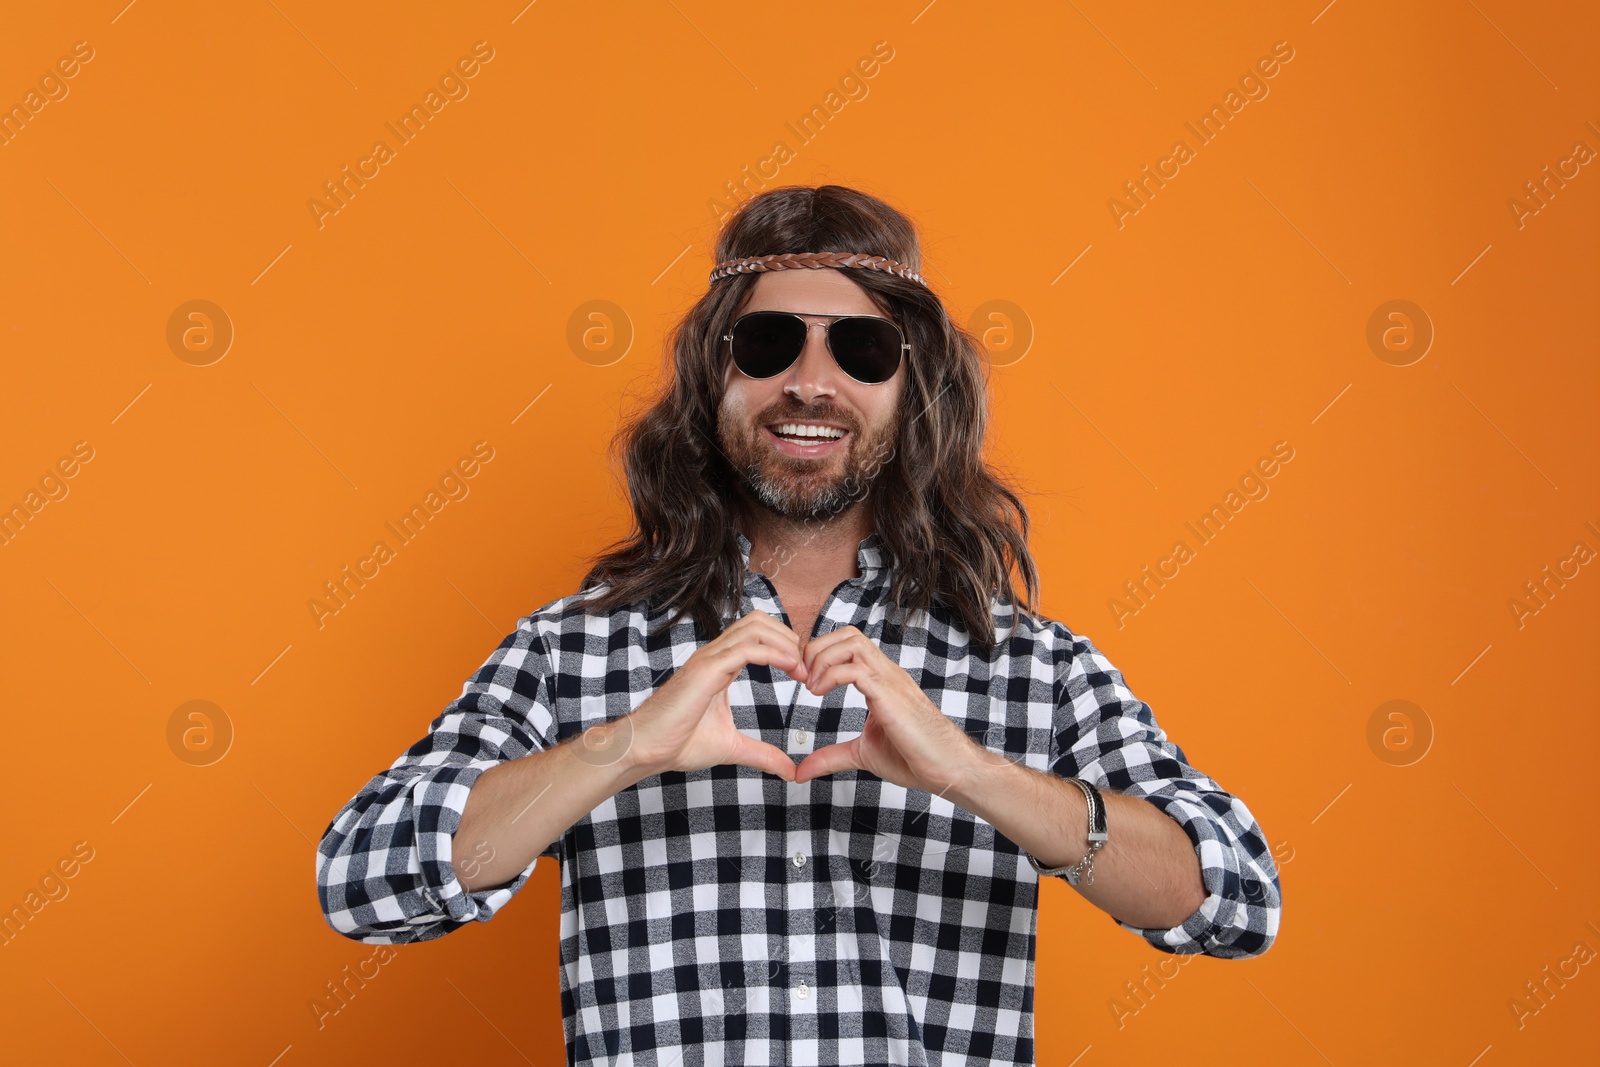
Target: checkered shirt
728 917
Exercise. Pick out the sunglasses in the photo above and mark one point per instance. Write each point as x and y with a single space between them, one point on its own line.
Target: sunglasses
766 343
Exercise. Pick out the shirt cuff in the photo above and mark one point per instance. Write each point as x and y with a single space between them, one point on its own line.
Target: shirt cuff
438 798
1239 916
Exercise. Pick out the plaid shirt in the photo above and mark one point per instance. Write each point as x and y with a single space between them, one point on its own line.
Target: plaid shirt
728 917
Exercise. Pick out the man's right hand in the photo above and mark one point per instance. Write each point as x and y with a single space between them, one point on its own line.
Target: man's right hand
687 725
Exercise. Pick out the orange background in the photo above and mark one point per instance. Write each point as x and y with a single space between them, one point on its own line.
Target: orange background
1228 314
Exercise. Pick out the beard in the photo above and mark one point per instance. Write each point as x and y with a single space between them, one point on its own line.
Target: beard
798 488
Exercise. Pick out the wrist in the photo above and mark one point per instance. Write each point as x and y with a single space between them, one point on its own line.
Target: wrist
1081 872
611 749
637 760
981 780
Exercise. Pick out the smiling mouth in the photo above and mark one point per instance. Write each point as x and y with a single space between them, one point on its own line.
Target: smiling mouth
806 430
816 443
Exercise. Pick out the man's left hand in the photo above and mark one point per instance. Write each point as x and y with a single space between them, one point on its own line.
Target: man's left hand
906 739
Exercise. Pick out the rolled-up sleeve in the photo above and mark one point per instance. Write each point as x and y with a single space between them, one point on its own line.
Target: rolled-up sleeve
384 866
1107 736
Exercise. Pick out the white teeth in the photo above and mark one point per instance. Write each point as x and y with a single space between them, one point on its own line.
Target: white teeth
805 429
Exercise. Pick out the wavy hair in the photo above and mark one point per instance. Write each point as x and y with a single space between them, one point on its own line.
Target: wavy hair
951 528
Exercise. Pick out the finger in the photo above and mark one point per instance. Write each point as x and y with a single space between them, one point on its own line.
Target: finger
759 623
779 637
756 618
827 640
727 663
819 656
754 634
842 644
710 672
829 759
847 672
761 756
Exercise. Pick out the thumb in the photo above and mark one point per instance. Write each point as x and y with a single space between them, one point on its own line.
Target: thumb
749 752
829 759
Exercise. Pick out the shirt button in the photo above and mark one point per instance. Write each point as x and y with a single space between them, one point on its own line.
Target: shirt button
799 859
801 736
805 991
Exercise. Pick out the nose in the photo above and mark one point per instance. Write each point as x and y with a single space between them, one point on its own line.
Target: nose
812 375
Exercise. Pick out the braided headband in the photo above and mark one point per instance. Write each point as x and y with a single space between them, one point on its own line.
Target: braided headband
815 260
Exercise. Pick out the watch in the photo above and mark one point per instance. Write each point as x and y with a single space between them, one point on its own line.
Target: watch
1084 869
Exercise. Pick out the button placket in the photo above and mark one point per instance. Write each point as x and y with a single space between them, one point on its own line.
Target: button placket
801 719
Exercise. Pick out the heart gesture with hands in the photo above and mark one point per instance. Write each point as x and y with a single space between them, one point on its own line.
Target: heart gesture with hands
687 724
906 740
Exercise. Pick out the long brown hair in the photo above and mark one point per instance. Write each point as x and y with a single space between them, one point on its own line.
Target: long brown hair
951 528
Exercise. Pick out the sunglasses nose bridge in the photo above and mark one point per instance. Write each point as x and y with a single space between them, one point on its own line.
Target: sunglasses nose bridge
814 347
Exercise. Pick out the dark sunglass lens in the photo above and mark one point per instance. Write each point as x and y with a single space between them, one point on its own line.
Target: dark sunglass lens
867 349
766 343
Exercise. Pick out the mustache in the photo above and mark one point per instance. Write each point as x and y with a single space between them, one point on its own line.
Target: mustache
829 415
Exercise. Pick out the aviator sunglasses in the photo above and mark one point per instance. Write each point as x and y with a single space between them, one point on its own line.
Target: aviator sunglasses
866 347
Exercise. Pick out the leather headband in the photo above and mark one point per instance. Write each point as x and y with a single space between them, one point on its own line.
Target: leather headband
814 261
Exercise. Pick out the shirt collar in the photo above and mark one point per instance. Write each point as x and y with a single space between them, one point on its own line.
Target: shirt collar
871 558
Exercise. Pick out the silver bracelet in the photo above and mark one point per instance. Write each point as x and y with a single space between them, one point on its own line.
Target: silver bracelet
1084 869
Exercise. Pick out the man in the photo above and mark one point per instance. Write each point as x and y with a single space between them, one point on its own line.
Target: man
800 784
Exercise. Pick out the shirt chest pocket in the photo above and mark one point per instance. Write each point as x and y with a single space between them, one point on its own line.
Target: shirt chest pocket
909 834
